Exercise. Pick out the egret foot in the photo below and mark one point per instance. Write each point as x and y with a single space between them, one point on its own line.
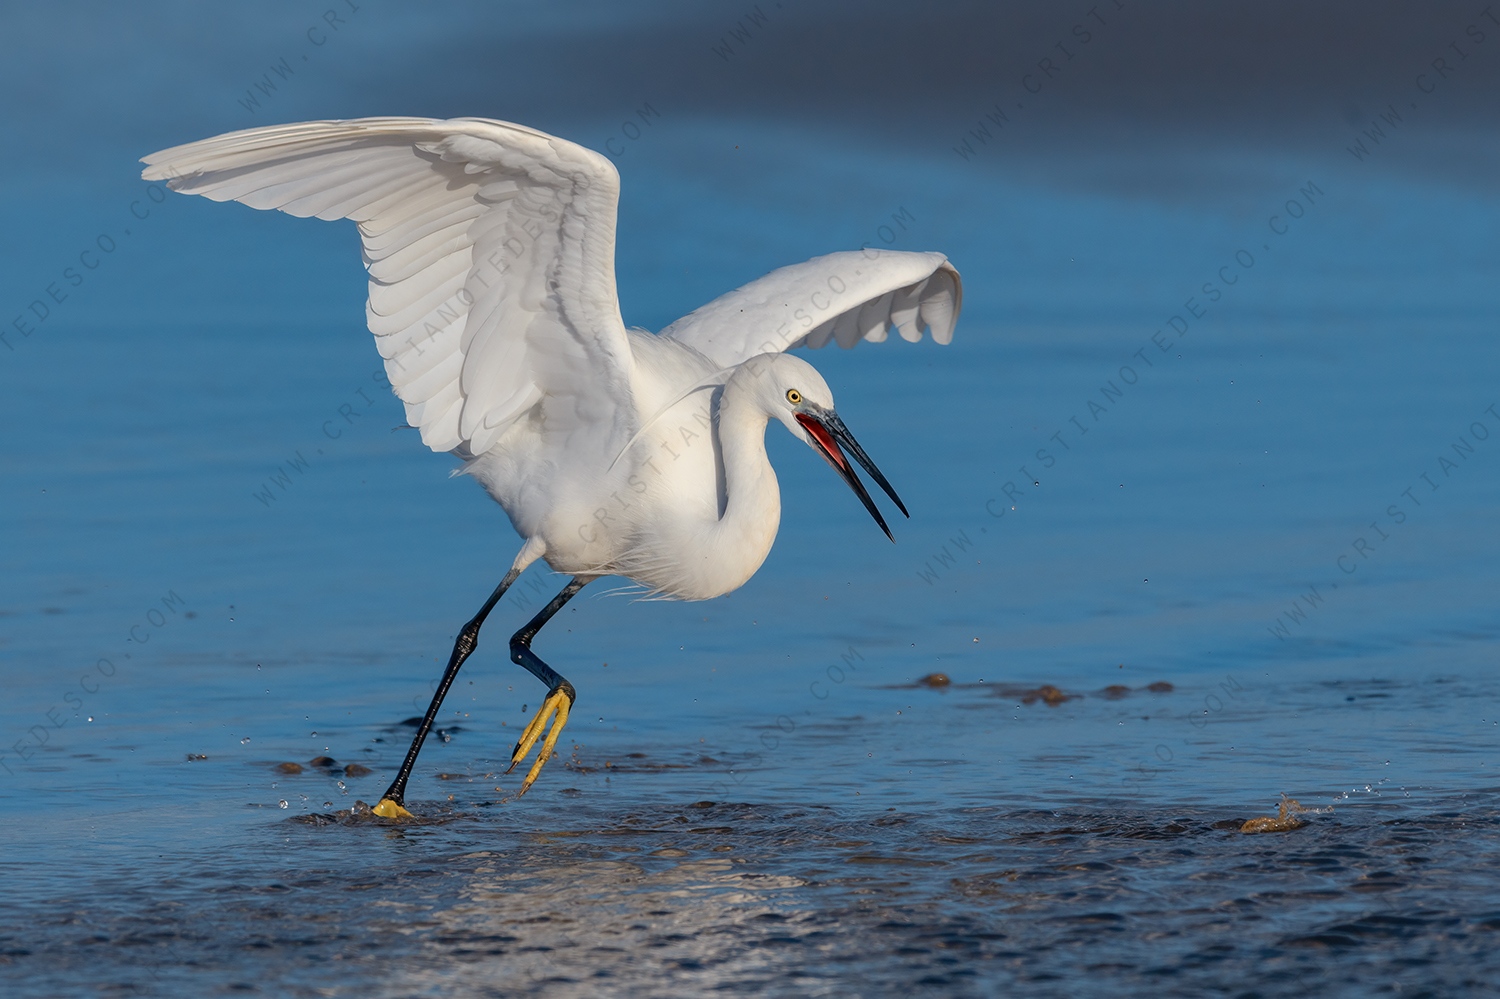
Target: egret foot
557 703
389 808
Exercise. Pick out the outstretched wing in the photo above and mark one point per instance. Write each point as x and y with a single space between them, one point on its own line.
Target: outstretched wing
847 297
490 248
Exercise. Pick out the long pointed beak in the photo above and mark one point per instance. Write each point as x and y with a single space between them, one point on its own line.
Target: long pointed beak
828 432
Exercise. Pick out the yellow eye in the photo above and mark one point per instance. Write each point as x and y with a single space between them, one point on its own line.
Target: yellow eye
793 396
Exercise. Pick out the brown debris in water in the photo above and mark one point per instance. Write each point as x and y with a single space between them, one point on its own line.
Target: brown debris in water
288 768
356 770
1116 691
1047 694
1286 821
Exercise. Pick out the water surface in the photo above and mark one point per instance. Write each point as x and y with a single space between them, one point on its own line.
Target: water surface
1169 576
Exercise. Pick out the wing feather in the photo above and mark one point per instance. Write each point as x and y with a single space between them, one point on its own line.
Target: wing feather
844 297
406 302
846 329
417 255
490 248
904 314
875 318
407 223
939 305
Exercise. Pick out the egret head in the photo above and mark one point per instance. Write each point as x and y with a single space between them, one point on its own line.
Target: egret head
791 390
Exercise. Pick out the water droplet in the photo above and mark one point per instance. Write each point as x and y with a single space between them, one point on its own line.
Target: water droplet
91 717
245 741
327 804
281 803
341 786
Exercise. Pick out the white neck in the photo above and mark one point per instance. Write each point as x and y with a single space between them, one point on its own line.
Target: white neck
752 509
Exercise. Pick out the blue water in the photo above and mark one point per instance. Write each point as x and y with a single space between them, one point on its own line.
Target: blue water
1282 517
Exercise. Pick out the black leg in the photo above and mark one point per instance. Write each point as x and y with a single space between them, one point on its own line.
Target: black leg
520 642
393 802
560 693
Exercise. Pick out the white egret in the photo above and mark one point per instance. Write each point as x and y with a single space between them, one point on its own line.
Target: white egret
614 451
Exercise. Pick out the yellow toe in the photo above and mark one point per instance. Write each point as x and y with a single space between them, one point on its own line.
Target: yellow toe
532 732
547 746
555 708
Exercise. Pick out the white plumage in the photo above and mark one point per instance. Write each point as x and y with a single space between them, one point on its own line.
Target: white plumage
490 248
